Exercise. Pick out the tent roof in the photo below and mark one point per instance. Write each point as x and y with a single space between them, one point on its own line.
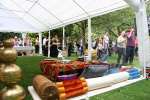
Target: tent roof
42 15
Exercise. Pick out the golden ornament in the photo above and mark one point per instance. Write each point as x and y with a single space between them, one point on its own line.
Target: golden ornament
10 74
2 66
9 43
9 55
15 92
1 51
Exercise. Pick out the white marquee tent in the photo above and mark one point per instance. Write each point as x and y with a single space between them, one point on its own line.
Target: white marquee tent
44 15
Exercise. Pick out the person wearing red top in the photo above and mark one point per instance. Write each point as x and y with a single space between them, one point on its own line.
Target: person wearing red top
130 46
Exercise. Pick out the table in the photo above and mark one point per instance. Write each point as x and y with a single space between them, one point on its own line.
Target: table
25 50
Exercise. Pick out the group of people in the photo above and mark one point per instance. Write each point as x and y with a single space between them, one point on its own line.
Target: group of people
126 46
54 46
102 46
22 41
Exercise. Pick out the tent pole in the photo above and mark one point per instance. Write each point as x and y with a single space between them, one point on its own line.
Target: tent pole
40 43
89 39
49 40
23 35
143 36
63 42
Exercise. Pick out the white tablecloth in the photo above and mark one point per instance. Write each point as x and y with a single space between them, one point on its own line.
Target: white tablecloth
25 48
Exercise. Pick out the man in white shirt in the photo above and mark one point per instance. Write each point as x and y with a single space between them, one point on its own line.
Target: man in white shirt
44 41
44 45
106 42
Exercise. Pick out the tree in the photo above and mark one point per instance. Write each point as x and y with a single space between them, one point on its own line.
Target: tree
148 8
7 35
113 22
82 27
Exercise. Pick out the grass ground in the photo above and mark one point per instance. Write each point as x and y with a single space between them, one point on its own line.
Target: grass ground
113 59
137 91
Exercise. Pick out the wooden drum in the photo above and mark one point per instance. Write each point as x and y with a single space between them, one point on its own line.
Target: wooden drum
45 88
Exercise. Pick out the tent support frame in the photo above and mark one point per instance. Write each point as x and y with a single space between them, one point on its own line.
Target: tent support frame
40 43
89 40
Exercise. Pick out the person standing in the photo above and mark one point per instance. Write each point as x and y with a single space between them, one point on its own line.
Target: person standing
44 41
54 49
121 46
99 48
16 41
44 45
37 45
75 48
106 42
70 47
130 46
20 42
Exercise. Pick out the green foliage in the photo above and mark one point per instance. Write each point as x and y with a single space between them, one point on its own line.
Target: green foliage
30 68
7 35
148 8
113 22
113 60
33 37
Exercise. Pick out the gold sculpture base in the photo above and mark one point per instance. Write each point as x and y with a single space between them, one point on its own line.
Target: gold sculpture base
13 93
10 73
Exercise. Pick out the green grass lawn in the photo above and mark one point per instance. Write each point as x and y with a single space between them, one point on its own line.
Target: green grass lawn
113 59
137 91
30 68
